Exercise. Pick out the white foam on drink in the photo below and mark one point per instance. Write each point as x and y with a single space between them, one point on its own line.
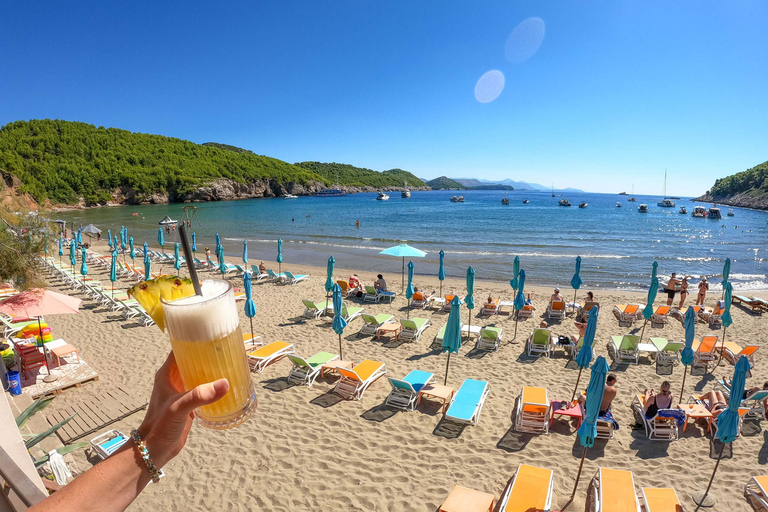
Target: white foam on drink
197 318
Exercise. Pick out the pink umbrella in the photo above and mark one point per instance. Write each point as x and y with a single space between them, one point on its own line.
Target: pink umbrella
37 303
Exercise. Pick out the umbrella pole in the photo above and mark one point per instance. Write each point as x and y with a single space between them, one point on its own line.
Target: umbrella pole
469 331
402 277
252 335
517 314
685 371
577 384
643 331
574 298
445 381
578 476
441 288
722 348
50 377
701 500
341 354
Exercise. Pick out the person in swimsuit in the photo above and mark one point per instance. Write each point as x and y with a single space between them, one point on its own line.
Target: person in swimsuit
703 287
654 402
671 288
717 402
683 291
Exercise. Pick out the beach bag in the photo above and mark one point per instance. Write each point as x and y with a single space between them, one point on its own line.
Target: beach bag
563 340
359 294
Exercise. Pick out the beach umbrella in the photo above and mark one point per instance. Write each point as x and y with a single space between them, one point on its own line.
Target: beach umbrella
109 238
116 244
686 356
727 423
72 255
409 290
648 310
279 258
123 237
338 318
576 279
245 251
176 260
588 429
133 252
79 236
515 281
329 279
250 306
146 251
83 264
441 271
194 242
403 251
726 273
90 228
218 242
160 237
222 264
654 269
584 357
726 318
61 249
469 300
113 273
519 298
452 334
147 269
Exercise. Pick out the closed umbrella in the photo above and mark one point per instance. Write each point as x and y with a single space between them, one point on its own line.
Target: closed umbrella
452 334
83 264
194 243
133 252
686 356
218 243
519 298
245 251
113 273
584 357
109 238
727 424
329 278
588 429
403 251
147 269
655 269
470 298
79 236
160 237
576 279
726 318
250 306
72 255
648 310
222 264
726 272
279 258
124 242
176 259
61 249
116 244
146 251
338 318
409 290
515 281
441 271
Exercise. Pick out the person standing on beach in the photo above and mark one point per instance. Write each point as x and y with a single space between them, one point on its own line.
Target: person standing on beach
671 288
683 291
703 287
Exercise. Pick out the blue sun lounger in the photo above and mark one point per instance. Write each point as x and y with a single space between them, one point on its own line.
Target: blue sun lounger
405 392
468 401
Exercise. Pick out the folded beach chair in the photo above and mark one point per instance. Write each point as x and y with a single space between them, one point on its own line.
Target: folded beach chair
540 342
556 309
447 303
372 323
663 499
305 371
371 294
260 358
292 279
529 490
108 443
256 274
405 392
275 277
411 329
354 382
667 351
757 488
613 490
532 411
526 312
467 402
419 300
661 315
624 348
492 308
313 309
704 351
663 426
490 338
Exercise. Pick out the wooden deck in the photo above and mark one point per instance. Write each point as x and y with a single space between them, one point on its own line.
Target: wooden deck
68 375
93 415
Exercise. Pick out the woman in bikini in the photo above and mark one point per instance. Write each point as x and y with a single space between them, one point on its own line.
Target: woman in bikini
662 400
717 403
683 291
703 287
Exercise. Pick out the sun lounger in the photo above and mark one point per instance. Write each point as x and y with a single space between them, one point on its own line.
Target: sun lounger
627 314
584 310
372 323
108 443
613 490
755 404
663 426
405 391
526 312
664 499
667 351
540 342
313 309
532 411
447 303
419 300
704 351
490 338
241 271
10 327
386 294
350 313
305 371
757 488
624 348
227 268
556 309
491 308
354 382
260 358
754 304
292 279
371 294
576 347
712 316
256 274
467 402
529 490
412 328
276 278
661 315
463 499
346 290
680 313
733 351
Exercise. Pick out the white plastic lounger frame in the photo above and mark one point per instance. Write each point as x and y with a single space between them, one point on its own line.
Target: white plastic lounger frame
756 488
303 372
292 279
355 387
260 363
508 491
532 416
489 339
657 429
596 489
403 395
476 414
407 333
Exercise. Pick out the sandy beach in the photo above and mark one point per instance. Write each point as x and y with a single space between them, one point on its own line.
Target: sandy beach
306 449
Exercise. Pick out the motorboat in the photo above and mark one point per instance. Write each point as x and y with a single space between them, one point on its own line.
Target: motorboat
714 213
564 202
618 204
330 192
643 208
289 196
699 211
405 194
457 199
632 199
505 200
382 197
525 201
730 212
683 210
583 204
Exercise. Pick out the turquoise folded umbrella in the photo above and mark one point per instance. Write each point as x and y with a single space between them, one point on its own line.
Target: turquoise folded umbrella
686 356
250 306
84 265
403 251
655 269
726 272
584 357
515 281
222 263
161 237
61 246
469 300
726 319
452 334
245 251
133 252
409 290
109 237
176 259
194 242
576 279
147 269
123 237
338 318
218 242
72 255
79 236
146 251
441 271
648 310
113 273
329 278
519 298
279 258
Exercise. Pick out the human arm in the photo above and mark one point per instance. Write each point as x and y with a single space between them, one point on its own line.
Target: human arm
113 484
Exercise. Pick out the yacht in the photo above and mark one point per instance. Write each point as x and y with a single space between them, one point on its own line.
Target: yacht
382 197
583 204
666 202
683 210
564 202
643 208
618 204
699 211
714 213
632 199
457 199
330 192
730 212
505 200
526 201
405 194
289 196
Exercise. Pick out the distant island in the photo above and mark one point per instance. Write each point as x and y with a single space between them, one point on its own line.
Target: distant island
445 183
746 189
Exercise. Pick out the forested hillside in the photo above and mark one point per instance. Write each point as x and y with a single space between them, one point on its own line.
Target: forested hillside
345 174
747 188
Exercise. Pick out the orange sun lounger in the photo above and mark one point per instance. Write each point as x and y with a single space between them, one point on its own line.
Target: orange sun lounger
268 354
613 490
354 382
530 489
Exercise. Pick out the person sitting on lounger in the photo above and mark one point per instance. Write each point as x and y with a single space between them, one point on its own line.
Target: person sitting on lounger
609 394
654 402
582 327
490 301
262 268
747 391
556 296
717 402
380 284
529 301
590 297
354 282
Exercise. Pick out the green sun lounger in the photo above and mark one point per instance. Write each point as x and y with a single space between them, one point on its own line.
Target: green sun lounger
372 323
412 328
489 339
305 371
313 309
625 348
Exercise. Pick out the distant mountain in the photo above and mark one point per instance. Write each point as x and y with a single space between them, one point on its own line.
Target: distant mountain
518 185
443 183
469 182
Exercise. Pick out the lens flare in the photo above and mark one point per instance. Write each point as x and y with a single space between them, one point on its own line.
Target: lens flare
489 86
525 40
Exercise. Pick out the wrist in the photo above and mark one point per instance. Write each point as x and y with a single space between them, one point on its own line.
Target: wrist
160 455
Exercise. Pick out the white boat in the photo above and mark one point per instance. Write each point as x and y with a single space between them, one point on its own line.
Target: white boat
457 199
289 196
666 203
699 212
643 208
382 197
683 210
564 202
714 213
405 194
730 212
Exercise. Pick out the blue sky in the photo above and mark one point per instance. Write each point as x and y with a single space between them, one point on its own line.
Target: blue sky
614 93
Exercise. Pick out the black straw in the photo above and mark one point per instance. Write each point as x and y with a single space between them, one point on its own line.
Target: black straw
190 260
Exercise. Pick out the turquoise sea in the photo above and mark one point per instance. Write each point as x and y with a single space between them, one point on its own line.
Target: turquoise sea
617 245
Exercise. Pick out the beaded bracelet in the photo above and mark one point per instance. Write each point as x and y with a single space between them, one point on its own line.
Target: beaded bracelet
154 473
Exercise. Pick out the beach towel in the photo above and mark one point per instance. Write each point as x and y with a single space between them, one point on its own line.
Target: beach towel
677 414
608 416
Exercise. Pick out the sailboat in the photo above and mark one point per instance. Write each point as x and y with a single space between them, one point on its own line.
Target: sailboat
553 190
632 198
405 193
666 203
